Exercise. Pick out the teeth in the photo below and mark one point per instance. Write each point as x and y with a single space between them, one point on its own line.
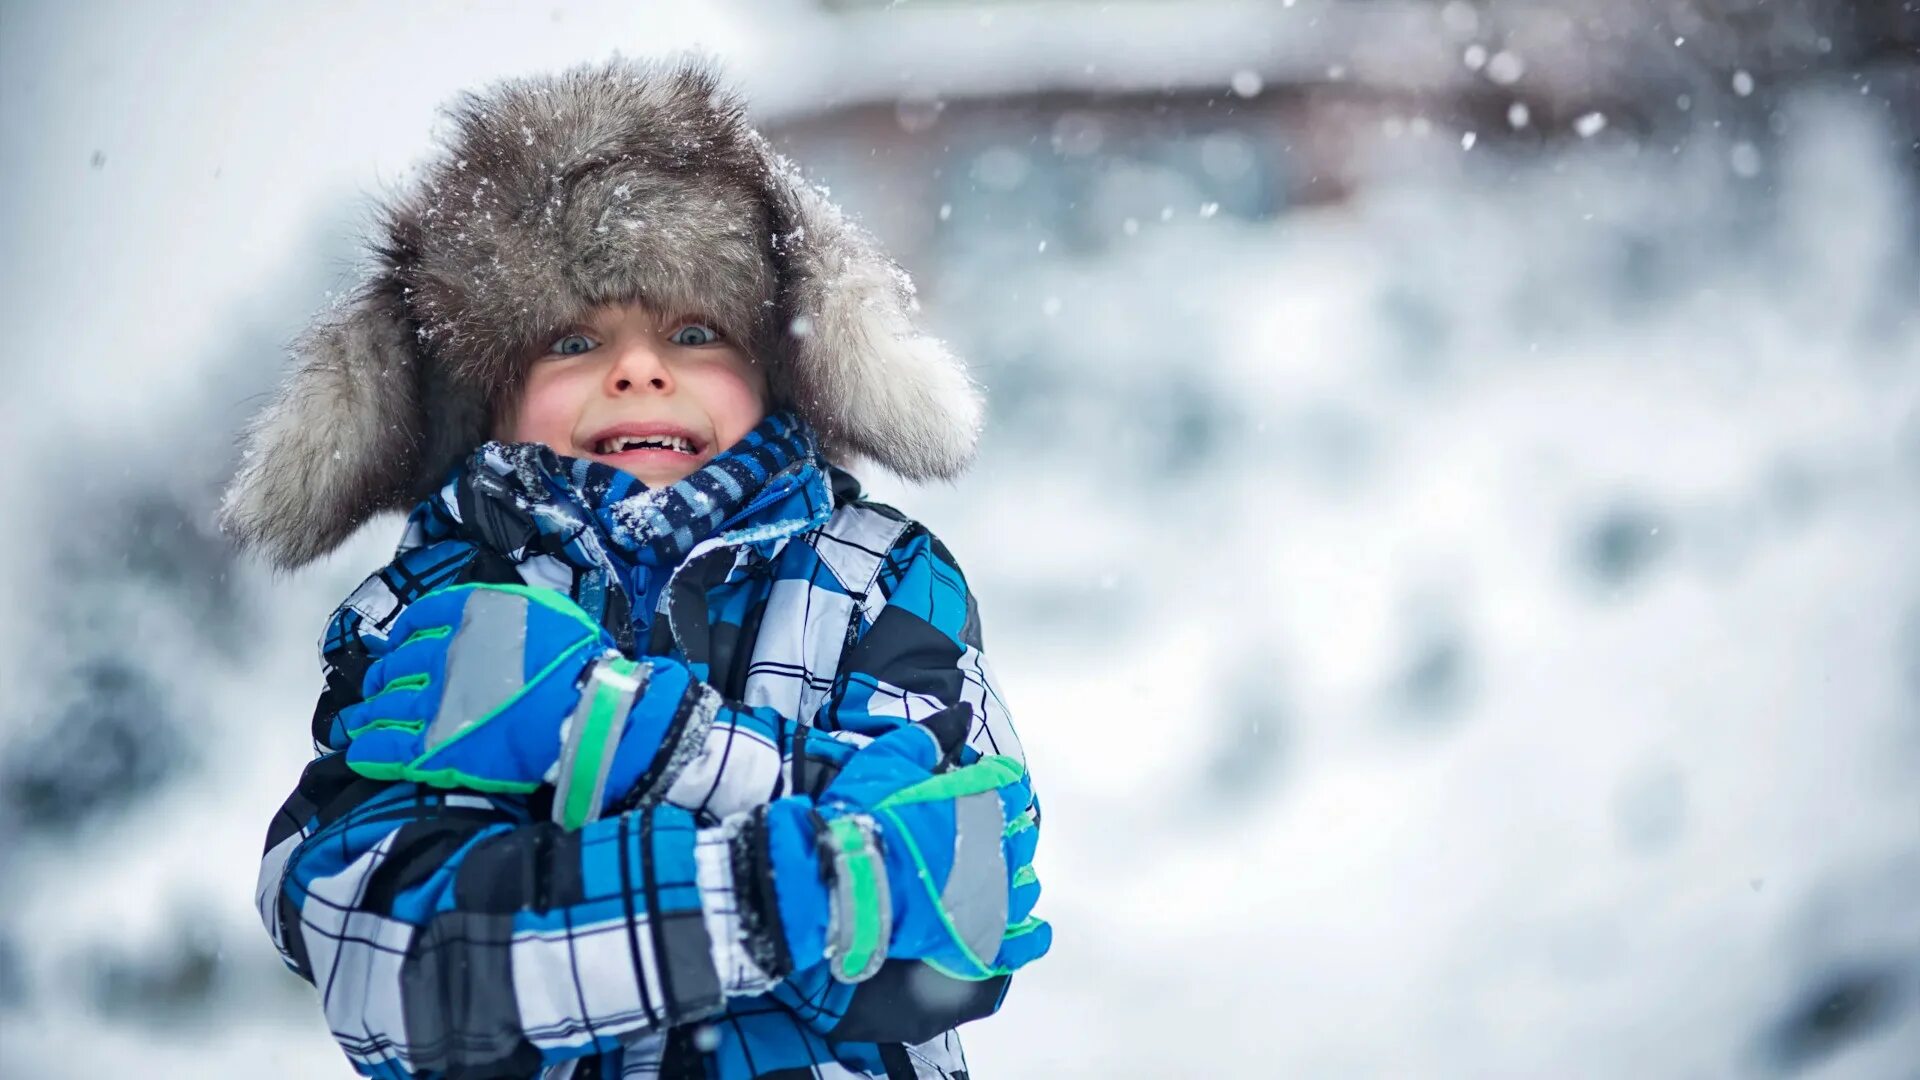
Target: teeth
621 443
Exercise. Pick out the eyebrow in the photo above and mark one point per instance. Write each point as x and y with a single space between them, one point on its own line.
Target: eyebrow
570 326
667 321
701 317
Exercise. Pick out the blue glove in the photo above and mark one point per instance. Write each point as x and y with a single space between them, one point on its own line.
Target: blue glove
896 859
501 688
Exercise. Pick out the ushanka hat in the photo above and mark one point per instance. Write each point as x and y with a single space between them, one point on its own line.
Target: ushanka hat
617 182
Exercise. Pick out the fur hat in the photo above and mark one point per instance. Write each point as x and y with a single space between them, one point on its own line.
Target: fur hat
607 183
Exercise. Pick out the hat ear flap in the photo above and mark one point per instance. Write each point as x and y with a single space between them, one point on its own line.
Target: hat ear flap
860 370
338 443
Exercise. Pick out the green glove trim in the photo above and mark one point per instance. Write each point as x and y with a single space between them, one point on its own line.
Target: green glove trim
988 774
1026 820
860 916
1025 926
1018 930
404 682
411 727
612 684
441 778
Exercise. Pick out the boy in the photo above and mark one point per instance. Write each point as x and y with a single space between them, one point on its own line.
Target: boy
657 750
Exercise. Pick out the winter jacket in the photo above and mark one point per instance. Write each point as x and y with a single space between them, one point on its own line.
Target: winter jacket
458 934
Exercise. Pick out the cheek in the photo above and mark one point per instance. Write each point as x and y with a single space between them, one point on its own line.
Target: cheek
735 401
548 411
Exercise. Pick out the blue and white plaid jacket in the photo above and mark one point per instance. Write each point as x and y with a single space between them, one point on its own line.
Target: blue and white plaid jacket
455 934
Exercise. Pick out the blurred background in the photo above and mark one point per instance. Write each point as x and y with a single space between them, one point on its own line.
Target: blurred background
1446 525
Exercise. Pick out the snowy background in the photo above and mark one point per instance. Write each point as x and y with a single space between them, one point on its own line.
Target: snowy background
1476 631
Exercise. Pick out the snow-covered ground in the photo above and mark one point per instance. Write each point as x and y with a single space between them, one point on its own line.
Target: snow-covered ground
1469 630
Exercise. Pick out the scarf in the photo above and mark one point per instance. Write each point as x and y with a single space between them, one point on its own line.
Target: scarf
601 535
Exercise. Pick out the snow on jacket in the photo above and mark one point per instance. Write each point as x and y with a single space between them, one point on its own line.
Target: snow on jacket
459 934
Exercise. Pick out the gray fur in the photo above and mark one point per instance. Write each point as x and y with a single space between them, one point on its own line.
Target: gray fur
339 443
554 195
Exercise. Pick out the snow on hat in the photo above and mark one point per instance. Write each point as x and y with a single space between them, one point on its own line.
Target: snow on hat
607 183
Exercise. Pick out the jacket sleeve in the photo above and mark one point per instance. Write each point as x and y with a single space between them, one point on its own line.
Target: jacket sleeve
909 656
457 934
450 934
921 653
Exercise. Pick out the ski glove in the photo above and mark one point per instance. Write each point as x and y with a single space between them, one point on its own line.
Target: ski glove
897 859
500 688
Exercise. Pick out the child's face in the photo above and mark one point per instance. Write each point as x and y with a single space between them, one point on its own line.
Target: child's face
653 395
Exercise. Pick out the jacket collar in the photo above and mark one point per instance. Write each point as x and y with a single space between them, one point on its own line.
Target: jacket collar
536 508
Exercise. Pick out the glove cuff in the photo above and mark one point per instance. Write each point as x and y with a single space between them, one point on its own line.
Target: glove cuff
828 896
592 736
621 748
675 713
860 917
762 925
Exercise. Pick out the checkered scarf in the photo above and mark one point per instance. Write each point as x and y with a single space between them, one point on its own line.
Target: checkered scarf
612 538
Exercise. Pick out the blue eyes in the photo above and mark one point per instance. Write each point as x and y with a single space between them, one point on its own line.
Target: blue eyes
694 334
571 345
691 335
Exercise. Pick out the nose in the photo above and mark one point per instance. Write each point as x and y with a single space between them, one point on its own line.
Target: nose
639 365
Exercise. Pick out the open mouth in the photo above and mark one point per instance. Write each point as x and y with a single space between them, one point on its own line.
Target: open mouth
621 444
